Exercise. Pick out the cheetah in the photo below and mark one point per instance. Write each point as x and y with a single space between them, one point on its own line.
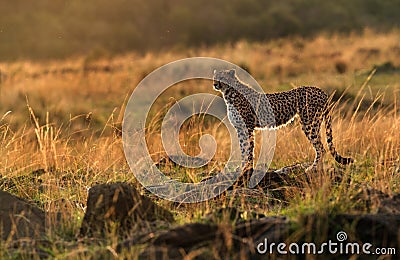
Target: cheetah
249 110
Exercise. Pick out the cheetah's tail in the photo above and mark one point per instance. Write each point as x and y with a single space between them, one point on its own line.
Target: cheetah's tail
335 154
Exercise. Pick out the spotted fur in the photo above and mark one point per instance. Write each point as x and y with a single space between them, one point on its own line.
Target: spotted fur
249 110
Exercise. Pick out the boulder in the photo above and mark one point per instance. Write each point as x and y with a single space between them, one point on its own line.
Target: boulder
118 206
19 219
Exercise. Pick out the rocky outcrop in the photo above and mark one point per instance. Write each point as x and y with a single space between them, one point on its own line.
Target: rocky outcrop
20 219
118 206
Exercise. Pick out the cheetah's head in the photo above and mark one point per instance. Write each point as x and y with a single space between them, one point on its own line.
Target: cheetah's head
223 79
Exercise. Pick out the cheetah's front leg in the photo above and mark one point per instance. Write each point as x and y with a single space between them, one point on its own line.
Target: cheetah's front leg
246 141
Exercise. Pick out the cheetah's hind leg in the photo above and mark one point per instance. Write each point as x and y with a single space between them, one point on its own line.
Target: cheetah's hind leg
312 131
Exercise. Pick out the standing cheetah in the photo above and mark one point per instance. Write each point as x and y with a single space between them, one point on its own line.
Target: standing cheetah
249 110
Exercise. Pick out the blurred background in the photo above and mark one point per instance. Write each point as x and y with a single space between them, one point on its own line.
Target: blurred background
46 29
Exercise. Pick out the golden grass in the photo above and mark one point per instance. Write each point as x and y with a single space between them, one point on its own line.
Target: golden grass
64 123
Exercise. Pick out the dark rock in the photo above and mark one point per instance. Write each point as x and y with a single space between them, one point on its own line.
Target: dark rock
187 235
228 240
287 176
120 204
240 240
162 252
369 199
272 227
381 230
390 205
19 219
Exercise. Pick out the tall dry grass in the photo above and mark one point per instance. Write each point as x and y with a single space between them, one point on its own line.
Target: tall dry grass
60 129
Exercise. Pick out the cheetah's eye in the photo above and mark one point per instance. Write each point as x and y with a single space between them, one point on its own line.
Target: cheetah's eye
217 85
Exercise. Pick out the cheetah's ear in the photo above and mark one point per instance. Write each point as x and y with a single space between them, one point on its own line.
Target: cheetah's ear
232 72
215 71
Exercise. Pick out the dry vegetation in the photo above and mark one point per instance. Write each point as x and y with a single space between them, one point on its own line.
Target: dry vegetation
64 117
